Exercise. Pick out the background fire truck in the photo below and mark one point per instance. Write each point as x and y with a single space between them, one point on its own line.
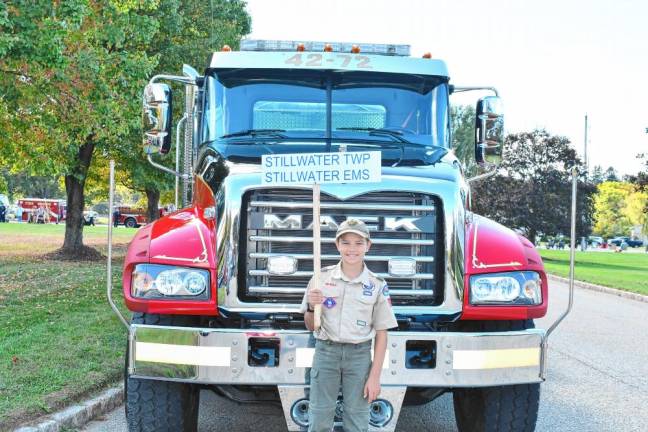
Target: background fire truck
51 210
215 287
133 217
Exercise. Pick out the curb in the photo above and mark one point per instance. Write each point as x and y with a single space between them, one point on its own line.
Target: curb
79 415
599 288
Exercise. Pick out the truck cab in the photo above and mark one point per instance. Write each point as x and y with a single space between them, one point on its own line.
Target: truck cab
215 287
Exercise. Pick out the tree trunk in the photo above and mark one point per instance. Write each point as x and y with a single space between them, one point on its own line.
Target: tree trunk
73 247
153 199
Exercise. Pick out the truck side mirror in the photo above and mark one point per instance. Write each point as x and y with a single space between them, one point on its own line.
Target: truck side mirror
489 131
156 118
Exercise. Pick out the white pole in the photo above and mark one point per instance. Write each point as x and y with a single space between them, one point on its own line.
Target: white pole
585 150
317 253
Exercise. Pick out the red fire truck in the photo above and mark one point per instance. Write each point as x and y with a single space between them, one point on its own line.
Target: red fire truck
135 217
215 287
42 210
131 217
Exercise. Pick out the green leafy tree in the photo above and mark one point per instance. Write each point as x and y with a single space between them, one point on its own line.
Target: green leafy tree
192 30
610 174
23 184
640 182
532 189
610 204
463 137
597 176
69 74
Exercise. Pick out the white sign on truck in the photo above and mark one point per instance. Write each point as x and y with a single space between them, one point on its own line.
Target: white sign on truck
310 168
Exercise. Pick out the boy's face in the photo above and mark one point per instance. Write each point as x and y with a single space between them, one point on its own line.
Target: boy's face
352 248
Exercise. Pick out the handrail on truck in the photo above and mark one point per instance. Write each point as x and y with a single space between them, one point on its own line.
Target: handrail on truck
572 259
111 195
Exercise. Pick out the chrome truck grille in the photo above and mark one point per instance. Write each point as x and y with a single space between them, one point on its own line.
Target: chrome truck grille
278 222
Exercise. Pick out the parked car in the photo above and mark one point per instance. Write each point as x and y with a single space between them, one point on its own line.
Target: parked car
617 241
595 241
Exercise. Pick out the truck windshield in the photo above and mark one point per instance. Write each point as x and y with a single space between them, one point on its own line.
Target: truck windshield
291 106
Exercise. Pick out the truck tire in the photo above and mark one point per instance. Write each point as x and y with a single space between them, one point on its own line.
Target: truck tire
130 223
160 406
512 408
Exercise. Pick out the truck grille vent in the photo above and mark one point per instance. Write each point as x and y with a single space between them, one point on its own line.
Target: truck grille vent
402 224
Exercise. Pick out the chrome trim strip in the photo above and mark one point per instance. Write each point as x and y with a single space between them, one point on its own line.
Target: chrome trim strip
337 257
310 273
286 239
325 205
290 290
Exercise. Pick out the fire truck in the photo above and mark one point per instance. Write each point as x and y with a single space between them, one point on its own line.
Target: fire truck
215 287
132 217
53 210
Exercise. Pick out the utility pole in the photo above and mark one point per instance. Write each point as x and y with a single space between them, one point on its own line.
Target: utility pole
585 151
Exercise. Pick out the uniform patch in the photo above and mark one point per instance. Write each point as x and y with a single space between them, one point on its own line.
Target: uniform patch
361 323
330 284
385 291
329 302
367 289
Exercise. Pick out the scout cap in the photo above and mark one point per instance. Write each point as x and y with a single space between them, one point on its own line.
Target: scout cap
355 226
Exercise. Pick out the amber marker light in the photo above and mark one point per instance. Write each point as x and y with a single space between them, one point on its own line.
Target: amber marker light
300 47
226 48
328 48
355 49
427 55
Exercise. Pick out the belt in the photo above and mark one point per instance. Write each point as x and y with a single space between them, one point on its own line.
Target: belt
330 342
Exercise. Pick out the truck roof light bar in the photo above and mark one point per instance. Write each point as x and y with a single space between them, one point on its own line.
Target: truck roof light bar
345 47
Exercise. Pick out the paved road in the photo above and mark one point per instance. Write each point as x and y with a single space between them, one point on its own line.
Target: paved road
597 379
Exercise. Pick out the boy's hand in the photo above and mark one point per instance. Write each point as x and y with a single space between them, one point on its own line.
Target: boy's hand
315 297
372 388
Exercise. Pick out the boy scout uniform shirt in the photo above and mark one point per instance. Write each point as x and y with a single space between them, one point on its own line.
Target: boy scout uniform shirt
353 309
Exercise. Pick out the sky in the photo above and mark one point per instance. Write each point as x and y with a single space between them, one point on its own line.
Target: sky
551 61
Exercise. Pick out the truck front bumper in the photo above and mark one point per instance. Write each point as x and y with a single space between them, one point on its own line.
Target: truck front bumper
224 356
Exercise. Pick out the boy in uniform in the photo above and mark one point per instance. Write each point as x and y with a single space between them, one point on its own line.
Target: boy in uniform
356 308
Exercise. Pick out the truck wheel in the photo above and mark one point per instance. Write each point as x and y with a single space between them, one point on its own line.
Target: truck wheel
153 405
512 408
130 223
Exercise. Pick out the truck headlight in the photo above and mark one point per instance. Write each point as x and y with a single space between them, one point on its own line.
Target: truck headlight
161 281
517 288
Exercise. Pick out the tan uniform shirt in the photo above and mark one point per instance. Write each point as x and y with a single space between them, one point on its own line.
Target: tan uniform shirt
352 310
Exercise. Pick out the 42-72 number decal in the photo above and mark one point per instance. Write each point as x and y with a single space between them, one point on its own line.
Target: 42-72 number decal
338 60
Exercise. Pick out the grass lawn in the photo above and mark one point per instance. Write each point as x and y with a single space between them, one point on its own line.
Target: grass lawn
59 339
625 271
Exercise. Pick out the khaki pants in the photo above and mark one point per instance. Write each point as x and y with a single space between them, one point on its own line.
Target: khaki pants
338 364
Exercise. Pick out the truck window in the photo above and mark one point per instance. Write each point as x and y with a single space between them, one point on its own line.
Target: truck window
295 102
312 115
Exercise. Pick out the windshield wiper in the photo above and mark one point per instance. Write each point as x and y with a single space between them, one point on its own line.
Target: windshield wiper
397 135
255 132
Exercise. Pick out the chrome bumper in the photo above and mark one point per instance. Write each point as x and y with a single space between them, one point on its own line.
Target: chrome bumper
220 356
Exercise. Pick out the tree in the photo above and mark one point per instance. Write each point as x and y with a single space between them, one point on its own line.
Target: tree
463 137
192 31
71 76
22 184
70 73
611 175
618 206
597 176
532 189
640 182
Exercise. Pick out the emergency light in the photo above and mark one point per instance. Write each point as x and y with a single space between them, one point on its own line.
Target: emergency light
342 47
